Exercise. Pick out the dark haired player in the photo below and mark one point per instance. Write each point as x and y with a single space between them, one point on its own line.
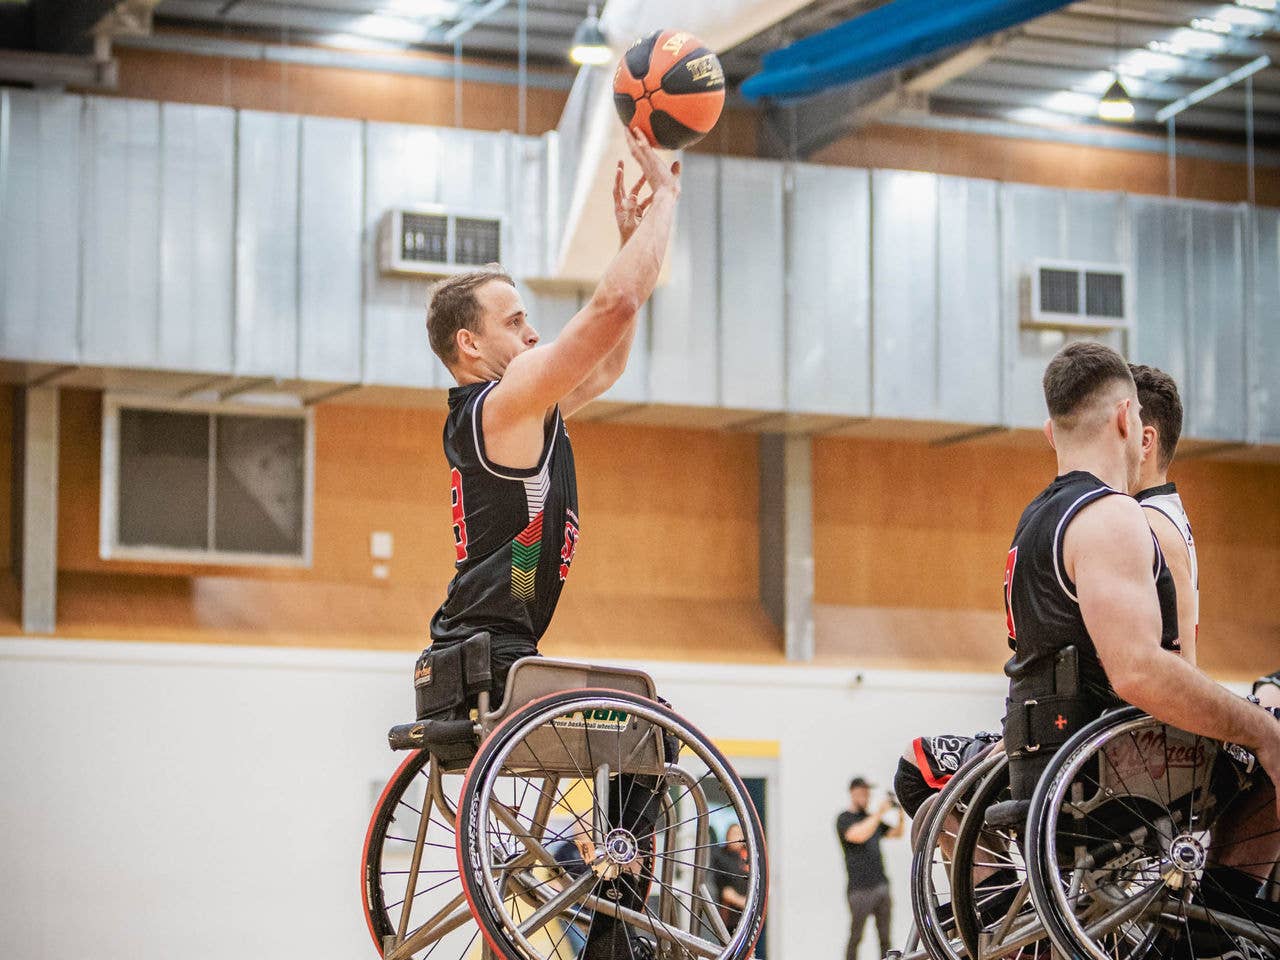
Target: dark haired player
1085 571
515 504
1161 413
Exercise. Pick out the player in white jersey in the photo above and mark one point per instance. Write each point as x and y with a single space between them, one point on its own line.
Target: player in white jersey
1161 412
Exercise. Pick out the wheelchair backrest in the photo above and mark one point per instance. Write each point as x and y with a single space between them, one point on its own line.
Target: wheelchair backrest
570 743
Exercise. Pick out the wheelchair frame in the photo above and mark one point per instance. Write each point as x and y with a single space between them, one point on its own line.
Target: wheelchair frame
545 732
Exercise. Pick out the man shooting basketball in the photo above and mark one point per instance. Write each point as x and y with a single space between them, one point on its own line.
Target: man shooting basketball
514 488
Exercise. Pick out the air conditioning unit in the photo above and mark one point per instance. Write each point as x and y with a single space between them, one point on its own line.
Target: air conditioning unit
435 242
1067 294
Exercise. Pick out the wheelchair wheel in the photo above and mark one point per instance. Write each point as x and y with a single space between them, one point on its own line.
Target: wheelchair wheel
994 914
413 901
1120 833
931 897
604 841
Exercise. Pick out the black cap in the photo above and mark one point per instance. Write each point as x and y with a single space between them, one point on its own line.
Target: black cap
857 782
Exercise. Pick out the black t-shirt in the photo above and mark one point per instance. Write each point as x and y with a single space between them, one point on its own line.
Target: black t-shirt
729 869
514 531
862 861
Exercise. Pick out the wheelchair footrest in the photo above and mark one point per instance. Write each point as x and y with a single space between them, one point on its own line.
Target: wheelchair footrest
448 739
1010 813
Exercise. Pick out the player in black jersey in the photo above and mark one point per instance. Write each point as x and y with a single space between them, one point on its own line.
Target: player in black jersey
1092 615
514 489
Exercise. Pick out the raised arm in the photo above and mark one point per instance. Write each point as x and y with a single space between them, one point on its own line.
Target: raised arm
537 380
1109 555
628 211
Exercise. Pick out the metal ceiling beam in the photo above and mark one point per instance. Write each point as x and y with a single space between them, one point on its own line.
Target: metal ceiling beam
1101 33
1209 89
342 59
463 26
1076 55
57 70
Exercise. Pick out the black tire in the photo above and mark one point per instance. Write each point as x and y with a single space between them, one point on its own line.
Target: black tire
931 907
1134 838
477 843
981 847
393 827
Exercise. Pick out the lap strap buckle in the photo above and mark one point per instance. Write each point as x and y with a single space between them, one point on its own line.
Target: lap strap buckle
1026 716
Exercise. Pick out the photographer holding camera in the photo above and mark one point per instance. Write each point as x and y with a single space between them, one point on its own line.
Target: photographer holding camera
860 831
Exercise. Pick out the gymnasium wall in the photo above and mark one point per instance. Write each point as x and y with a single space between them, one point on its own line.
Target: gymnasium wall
212 800
187 78
669 548
910 543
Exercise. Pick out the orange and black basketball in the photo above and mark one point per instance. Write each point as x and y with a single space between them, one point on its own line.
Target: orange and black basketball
670 88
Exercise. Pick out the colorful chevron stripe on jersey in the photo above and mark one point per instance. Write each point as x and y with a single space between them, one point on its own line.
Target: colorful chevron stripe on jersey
526 548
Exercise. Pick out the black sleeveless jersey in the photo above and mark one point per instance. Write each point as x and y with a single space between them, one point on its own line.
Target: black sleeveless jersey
514 531
1043 615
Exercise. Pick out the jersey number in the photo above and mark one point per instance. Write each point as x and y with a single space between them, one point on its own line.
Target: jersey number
459 516
1009 564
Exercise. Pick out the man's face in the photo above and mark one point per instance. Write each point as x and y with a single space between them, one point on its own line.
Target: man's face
504 332
859 797
733 838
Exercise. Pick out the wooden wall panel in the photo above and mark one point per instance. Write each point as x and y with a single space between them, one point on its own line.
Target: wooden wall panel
910 543
668 557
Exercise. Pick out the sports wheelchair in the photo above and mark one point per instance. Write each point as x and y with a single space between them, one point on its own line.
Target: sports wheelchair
1114 857
511 833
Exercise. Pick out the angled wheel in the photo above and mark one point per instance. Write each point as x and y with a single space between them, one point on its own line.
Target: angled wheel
931 895
1121 846
990 893
575 829
413 900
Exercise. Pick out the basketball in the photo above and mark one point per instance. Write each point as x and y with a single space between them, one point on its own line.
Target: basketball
669 87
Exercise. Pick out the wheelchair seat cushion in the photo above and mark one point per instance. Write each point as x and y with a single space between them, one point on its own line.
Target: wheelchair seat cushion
1011 814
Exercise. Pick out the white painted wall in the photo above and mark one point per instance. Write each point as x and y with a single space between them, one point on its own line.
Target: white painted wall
210 802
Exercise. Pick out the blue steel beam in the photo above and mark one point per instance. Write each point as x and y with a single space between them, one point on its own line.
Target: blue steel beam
893 36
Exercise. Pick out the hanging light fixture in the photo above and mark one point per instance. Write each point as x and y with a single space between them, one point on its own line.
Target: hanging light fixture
1115 104
590 48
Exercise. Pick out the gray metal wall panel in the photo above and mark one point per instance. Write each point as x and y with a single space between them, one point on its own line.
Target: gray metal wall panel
330 212
39 226
1036 223
402 169
904 283
1159 238
752 300
197 222
525 236
828 294
683 337
266 340
120 235
969 341
633 385
1216 400
1264 332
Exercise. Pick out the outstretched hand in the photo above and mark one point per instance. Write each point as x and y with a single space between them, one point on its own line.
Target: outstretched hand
628 208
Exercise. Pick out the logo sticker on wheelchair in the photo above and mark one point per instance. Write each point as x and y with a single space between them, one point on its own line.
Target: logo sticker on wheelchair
603 719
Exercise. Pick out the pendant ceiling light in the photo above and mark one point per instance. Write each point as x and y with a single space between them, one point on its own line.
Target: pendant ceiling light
590 48
1115 104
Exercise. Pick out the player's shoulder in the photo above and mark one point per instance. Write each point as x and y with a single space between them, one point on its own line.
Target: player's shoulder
1110 526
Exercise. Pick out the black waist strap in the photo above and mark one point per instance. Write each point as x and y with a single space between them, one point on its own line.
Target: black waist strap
1044 723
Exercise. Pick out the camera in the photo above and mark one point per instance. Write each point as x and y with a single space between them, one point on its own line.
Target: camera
893 799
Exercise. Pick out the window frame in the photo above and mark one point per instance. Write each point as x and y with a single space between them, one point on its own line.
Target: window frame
109 546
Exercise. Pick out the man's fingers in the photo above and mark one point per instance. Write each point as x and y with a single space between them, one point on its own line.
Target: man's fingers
617 185
636 189
645 206
675 169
